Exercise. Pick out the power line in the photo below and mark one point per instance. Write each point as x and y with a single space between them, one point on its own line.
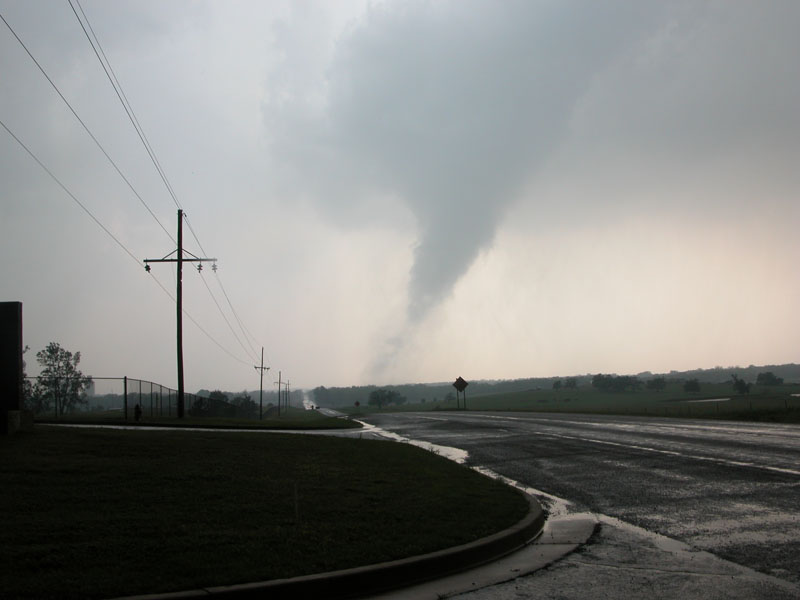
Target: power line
192 319
115 83
225 293
245 333
233 331
112 236
111 75
83 206
85 127
70 194
124 100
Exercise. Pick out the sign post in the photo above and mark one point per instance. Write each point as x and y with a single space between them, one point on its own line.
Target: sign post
461 389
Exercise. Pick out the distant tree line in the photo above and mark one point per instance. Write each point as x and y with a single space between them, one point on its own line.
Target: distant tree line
787 372
616 383
442 392
217 404
690 381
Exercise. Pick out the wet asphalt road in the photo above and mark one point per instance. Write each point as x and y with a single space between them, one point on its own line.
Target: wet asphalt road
732 489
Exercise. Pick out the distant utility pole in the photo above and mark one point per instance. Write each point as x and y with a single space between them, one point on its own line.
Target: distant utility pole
287 395
261 370
178 257
279 392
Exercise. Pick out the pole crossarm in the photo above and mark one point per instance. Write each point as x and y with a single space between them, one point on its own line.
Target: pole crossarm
174 260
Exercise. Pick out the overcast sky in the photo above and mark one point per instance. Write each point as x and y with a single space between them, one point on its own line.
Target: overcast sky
407 191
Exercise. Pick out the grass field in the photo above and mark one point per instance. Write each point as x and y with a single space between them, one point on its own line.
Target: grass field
778 403
100 513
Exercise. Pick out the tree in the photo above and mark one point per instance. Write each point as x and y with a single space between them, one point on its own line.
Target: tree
691 385
218 396
740 385
381 398
377 398
768 378
571 383
60 383
396 398
656 384
27 386
557 384
246 408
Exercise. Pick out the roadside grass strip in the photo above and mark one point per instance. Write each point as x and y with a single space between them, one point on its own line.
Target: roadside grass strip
294 419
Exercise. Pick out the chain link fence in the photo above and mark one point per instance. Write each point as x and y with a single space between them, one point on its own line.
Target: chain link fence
119 396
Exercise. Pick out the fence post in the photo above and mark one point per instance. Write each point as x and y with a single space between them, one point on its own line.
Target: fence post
125 395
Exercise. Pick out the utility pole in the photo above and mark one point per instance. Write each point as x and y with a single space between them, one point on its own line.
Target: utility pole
179 259
261 370
279 392
287 395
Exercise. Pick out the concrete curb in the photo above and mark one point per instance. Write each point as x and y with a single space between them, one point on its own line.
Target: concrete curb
381 577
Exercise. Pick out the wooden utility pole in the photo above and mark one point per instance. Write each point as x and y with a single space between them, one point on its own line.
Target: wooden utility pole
178 258
261 370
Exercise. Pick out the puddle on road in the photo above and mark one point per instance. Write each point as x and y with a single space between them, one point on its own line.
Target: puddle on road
455 454
702 400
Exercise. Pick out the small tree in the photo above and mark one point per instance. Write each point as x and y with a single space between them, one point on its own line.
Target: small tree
27 386
571 383
557 384
60 383
740 385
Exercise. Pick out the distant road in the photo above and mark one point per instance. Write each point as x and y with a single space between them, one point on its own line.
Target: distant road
732 489
329 412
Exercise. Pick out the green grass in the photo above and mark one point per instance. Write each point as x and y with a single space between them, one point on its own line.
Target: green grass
100 513
295 418
776 404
